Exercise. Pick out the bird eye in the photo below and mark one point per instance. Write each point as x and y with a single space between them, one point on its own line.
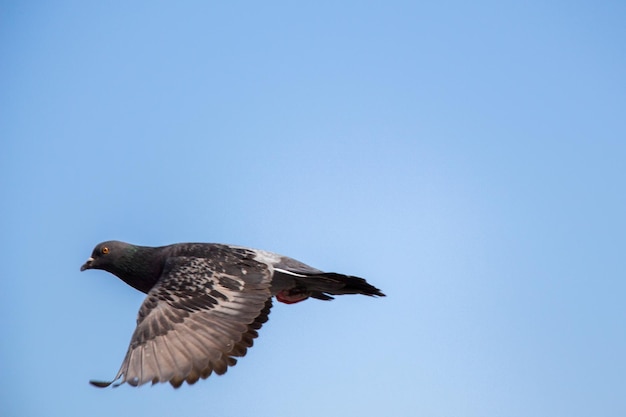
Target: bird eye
105 250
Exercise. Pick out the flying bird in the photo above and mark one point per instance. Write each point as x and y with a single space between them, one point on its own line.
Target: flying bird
205 303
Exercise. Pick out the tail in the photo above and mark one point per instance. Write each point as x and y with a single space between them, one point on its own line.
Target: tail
324 285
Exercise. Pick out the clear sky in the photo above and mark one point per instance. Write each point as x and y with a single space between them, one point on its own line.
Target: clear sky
468 158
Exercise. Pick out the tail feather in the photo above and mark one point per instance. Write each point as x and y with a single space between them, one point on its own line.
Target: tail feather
324 285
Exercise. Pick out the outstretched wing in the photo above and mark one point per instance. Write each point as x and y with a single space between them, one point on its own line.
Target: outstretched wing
201 314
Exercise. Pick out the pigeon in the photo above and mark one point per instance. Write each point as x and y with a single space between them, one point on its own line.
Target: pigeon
205 303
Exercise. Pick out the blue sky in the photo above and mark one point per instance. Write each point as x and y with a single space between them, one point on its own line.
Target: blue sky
468 158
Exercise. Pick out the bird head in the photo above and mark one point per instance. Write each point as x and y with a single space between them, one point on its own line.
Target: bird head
104 255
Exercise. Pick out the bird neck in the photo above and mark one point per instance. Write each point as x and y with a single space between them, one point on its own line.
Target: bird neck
140 268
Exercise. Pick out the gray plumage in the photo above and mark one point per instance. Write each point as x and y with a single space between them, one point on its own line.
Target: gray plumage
205 303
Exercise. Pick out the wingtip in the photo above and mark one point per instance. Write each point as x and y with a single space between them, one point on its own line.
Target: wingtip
100 384
105 384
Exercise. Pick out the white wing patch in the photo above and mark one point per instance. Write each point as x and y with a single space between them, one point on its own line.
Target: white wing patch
284 271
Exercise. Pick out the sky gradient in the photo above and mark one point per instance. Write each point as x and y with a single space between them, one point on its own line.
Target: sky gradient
466 158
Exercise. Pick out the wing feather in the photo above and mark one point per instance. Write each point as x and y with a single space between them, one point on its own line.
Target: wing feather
198 316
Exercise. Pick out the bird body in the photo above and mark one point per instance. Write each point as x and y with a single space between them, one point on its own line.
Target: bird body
205 303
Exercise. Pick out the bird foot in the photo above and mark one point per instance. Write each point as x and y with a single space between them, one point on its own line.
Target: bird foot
292 296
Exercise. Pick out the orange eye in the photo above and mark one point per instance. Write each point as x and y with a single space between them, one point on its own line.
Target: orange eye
105 250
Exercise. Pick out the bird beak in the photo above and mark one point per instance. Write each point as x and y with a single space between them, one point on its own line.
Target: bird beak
86 265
